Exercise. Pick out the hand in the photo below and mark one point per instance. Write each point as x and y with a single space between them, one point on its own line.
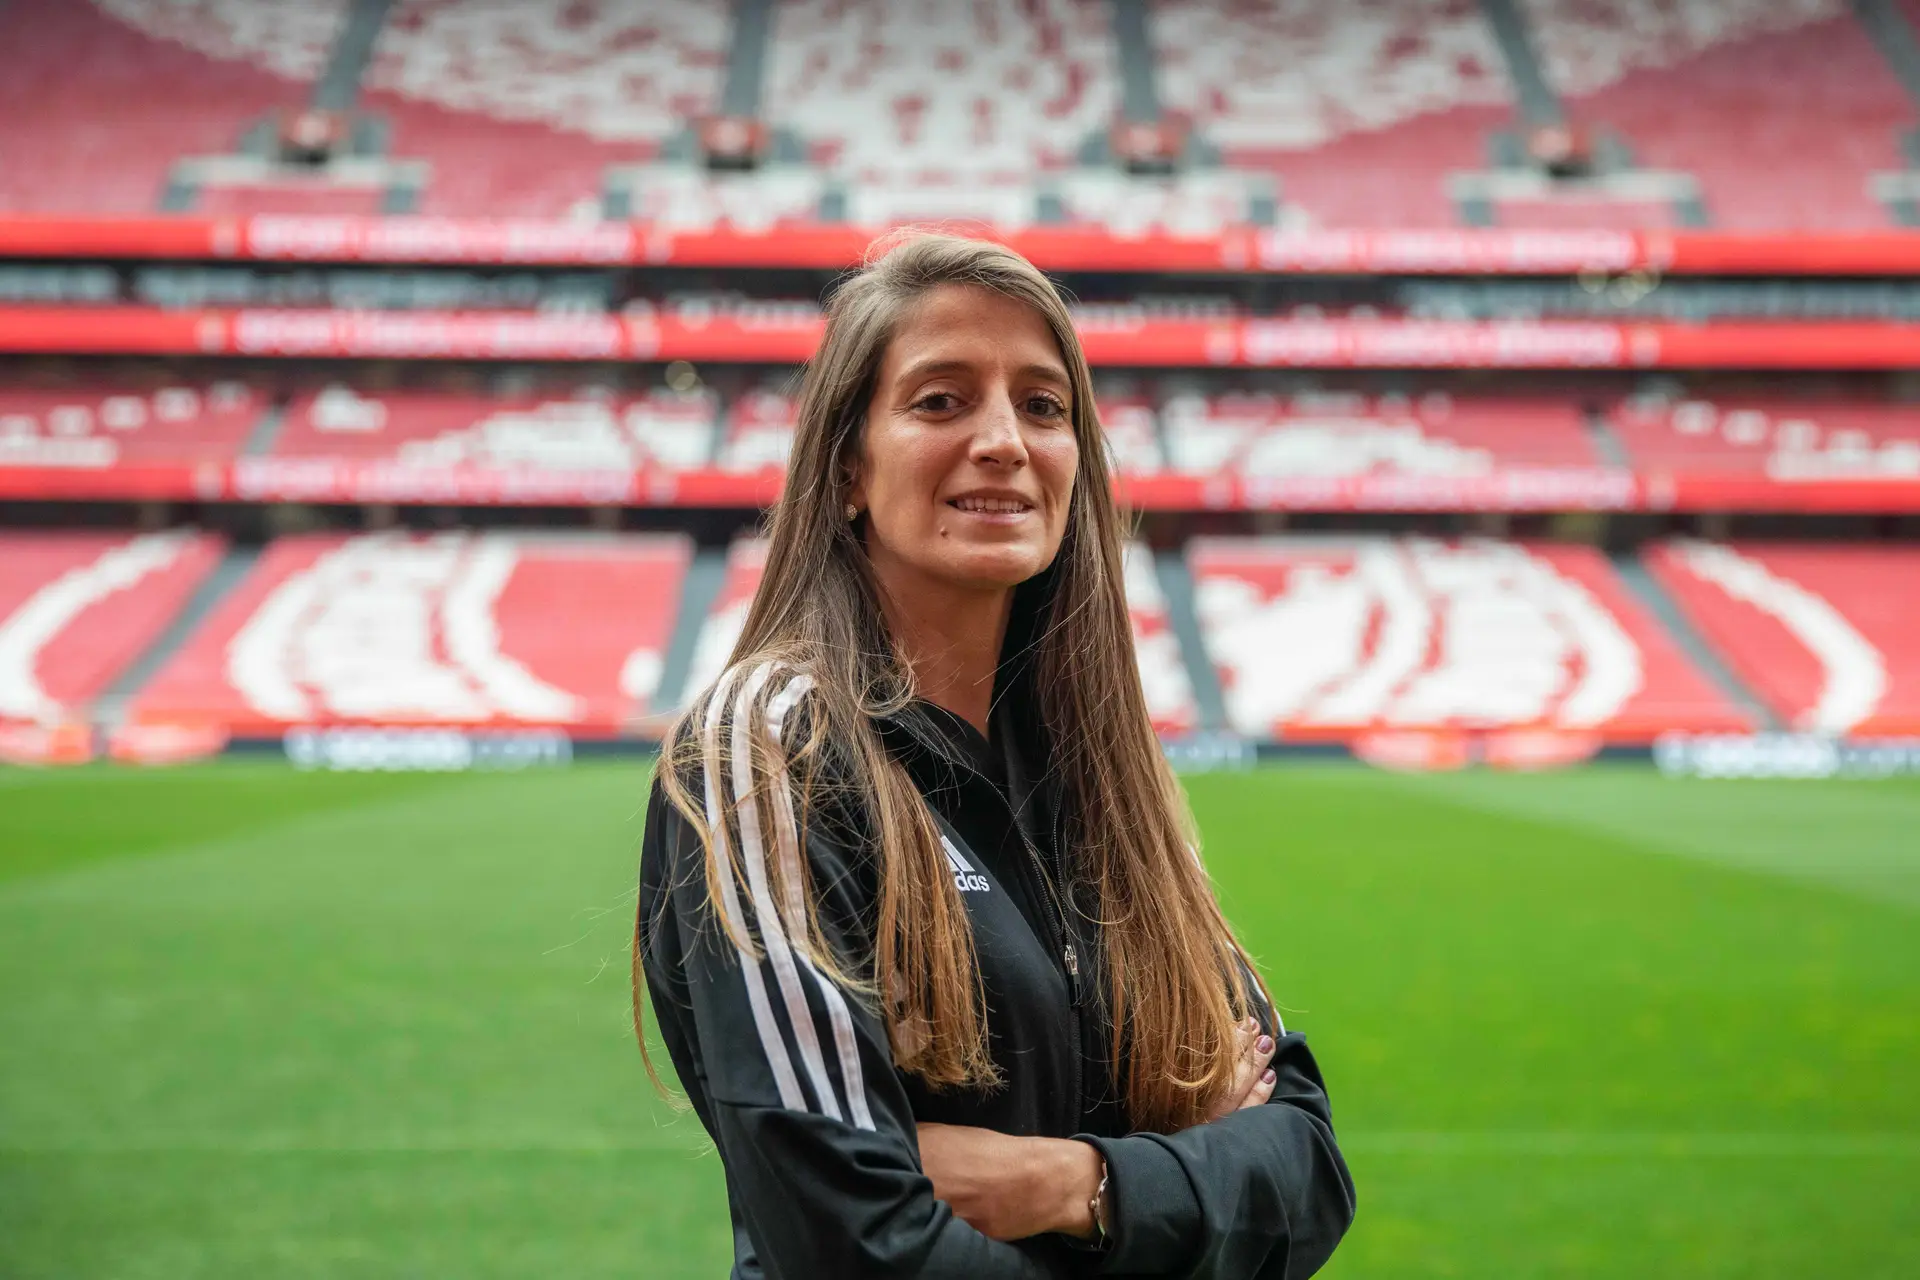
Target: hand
1253 1079
1010 1188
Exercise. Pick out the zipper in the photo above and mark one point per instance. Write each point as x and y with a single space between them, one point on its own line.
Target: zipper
1073 968
1063 940
1070 960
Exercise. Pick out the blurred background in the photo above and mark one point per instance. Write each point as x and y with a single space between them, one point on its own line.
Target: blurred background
1520 399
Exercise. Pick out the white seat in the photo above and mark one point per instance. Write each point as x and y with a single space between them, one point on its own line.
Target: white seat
897 88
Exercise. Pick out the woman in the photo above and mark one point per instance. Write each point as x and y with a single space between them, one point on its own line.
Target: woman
920 915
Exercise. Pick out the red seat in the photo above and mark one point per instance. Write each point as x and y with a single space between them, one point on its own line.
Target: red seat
1827 636
1163 668
746 564
759 432
586 431
94 112
1352 434
897 94
519 108
1332 637
1780 438
77 608
147 421
456 629
1781 120
1363 115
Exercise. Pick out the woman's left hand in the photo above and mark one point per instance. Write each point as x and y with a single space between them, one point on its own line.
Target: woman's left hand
1010 1188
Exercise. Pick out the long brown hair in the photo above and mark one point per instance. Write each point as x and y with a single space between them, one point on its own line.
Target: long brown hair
1177 982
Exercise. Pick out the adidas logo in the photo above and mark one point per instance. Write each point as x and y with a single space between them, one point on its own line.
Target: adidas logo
965 878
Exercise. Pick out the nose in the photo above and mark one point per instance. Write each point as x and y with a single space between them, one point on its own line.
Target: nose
997 439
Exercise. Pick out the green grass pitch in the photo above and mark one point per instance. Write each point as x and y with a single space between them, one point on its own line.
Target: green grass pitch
255 1023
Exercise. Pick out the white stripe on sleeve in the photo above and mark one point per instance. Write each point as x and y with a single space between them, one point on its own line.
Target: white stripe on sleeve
772 935
770 1040
785 828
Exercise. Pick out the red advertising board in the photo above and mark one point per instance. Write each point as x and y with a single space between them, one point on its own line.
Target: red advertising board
1435 251
1517 489
788 336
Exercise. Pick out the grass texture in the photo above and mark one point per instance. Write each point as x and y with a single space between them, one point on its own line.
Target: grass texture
260 1023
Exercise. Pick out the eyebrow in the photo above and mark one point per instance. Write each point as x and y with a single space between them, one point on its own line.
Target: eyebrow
928 368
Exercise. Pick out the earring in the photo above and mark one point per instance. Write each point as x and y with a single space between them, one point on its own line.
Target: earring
853 512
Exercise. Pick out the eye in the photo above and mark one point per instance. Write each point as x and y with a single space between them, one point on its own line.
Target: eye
1042 405
938 402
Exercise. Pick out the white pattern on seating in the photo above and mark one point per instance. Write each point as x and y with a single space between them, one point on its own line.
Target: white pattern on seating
759 432
1783 439
1586 44
582 433
992 89
38 621
287 37
1298 73
98 428
611 69
1346 633
1335 435
1854 671
1163 671
360 634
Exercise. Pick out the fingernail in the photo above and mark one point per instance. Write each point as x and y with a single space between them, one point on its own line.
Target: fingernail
1265 1045
1269 1077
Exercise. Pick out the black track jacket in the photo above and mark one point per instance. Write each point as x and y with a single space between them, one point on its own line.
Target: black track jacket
795 1081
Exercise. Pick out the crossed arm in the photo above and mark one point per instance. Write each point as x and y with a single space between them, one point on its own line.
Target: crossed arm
1009 1188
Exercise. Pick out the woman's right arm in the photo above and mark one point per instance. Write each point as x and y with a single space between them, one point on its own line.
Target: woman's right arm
813 1125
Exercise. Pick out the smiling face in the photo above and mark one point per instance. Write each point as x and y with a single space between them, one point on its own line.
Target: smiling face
967 461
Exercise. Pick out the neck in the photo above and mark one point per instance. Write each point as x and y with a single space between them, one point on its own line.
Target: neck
950 637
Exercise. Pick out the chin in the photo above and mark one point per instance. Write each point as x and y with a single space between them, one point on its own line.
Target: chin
995 567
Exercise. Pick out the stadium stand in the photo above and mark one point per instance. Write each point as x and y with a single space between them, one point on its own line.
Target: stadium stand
759 432
1695 88
77 608
1375 115
453 629
1021 88
475 88
1343 434
1369 115
99 100
1163 670
1406 114
90 426
1781 439
1132 432
588 431
1415 633
1828 637
746 562
1363 110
